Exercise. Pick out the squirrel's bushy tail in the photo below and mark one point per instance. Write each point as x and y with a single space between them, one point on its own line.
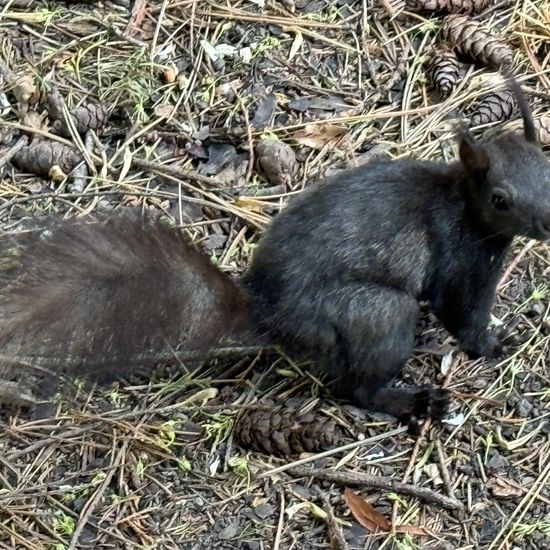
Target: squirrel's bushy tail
81 297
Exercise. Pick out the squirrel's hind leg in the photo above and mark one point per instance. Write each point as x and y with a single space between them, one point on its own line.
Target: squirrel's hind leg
375 328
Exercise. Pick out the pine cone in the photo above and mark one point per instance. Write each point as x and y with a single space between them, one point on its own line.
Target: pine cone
494 107
472 40
444 71
41 155
92 116
542 125
276 160
284 430
449 6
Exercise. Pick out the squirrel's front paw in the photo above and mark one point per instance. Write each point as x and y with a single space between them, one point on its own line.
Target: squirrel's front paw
488 345
431 403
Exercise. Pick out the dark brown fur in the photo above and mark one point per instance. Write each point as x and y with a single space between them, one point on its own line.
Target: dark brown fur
87 297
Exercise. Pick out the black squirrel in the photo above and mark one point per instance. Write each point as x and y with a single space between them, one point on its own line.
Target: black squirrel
338 275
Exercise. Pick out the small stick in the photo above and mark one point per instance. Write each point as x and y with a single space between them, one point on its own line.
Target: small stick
410 466
388 8
277 542
80 173
335 534
359 479
418 444
443 468
137 16
93 501
514 264
250 166
475 397
9 154
158 168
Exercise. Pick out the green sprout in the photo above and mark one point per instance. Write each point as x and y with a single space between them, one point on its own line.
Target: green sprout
184 465
64 524
219 428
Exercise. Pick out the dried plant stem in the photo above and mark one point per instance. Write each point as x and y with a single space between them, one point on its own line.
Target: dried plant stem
359 479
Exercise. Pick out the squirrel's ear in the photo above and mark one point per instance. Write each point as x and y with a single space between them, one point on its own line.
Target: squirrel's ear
473 156
529 130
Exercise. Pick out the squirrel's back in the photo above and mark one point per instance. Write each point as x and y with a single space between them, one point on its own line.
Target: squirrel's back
370 222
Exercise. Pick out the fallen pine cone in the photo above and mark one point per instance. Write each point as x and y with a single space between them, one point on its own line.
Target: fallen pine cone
542 125
276 160
471 39
41 155
444 71
284 430
449 6
91 116
494 107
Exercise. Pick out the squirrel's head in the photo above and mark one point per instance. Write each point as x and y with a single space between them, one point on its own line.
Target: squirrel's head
508 179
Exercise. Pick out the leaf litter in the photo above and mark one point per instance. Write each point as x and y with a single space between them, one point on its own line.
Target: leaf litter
334 82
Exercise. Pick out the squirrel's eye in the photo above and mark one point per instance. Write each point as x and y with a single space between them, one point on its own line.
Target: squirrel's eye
499 202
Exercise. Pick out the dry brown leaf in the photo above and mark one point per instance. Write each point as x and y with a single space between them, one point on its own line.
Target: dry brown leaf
296 45
503 488
250 204
32 119
24 88
164 111
365 513
318 136
371 519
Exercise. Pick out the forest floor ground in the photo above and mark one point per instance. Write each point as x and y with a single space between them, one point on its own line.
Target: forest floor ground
191 87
